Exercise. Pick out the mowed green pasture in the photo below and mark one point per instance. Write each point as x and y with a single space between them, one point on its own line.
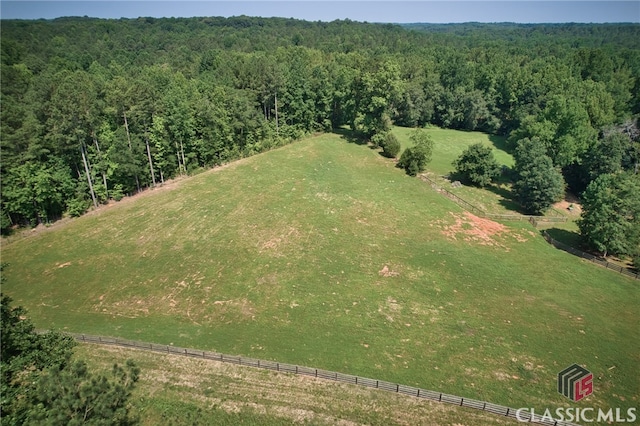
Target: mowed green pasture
324 254
449 144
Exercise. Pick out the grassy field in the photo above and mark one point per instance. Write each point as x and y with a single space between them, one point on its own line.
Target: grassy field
496 198
179 390
449 144
322 253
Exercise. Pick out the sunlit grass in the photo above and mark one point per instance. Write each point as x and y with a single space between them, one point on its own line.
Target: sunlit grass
282 256
178 390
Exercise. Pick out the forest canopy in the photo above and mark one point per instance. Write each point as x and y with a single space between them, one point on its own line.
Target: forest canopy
96 109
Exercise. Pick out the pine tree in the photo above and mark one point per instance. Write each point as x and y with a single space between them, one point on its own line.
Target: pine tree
610 221
539 184
40 383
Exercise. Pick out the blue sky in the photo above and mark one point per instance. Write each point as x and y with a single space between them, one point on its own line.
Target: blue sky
537 11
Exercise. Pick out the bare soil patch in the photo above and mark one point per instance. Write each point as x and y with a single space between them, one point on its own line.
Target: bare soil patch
386 272
570 205
473 229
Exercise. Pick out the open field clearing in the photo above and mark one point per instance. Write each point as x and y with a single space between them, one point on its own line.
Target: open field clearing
496 198
322 253
449 144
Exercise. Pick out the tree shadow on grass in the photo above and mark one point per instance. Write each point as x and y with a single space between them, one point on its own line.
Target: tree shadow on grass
507 199
570 238
351 136
500 142
513 206
572 242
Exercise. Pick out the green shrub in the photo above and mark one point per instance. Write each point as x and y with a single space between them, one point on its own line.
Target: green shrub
415 159
390 146
377 140
77 206
117 192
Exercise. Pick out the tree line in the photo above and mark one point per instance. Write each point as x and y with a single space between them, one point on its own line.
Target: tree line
97 109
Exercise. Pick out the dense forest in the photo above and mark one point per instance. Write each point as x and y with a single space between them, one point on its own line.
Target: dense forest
96 109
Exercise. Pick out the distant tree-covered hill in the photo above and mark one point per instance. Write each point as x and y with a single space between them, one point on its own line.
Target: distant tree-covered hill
95 109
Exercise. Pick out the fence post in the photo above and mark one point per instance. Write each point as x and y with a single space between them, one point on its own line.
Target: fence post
116 341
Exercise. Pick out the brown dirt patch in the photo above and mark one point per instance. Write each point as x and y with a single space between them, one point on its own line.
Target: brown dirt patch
386 272
276 242
570 205
184 299
473 229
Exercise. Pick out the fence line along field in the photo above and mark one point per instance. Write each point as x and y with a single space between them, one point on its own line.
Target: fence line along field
429 395
323 253
189 390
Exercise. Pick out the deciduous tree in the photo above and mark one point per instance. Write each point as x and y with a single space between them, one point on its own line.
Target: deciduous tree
415 158
477 165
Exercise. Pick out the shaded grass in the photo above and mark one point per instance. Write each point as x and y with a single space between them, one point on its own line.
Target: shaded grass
496 198
278 257
449 144
567 236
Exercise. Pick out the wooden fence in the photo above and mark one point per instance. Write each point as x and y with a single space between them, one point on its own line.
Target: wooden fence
482 213
500 410
534 220
590 257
